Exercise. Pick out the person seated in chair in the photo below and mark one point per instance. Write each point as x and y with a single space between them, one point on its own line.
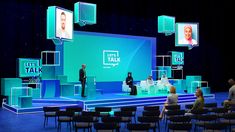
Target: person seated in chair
231 97
129 82
150 81
164 83
172 99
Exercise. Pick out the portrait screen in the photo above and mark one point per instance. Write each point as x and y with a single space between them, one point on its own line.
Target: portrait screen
64 23
187 34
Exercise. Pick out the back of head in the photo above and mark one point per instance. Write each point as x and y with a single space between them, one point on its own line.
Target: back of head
200 93
172 90
231 81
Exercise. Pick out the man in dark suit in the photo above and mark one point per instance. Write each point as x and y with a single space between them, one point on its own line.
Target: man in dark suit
82 79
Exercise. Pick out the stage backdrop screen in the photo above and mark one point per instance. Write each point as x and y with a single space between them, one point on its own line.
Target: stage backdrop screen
109 57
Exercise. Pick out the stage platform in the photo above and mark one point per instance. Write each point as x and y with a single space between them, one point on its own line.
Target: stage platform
114 100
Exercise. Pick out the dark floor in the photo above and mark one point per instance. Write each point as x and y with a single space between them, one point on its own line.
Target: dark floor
11 122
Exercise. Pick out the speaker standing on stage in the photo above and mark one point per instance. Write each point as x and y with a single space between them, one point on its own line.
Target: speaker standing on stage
82 78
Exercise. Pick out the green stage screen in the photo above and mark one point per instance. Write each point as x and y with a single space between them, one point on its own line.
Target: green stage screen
29 67
109 57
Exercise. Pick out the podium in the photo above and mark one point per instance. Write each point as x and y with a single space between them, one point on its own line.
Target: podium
90 90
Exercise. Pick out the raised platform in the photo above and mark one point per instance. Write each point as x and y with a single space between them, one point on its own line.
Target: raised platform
114 100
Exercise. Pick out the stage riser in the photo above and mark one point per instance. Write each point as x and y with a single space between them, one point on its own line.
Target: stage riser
91 104
134 99
139 103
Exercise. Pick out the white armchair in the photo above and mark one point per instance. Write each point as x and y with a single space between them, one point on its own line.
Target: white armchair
144 86
125 87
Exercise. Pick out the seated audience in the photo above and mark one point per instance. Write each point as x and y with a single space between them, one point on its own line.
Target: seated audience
172 99
231 95
150 81
164 83
199 102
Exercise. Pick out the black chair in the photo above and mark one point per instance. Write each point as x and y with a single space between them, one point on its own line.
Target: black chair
188 106
210 106
171 108
103 111
196 113
107 127
180 127
220 112
173 113
126 116
83 122
229 119
131 109
151 113
64 117
50 112
202 120
179 120
151 108
94 114
114 120
216 126
153 121
138 127
76 110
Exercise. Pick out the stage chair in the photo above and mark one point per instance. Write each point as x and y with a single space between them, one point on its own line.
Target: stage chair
125 87
50 112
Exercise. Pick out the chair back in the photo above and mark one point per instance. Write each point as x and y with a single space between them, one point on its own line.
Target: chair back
151 108
105 127
138 127
180 127
172 107
51 109
183 119
151 113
